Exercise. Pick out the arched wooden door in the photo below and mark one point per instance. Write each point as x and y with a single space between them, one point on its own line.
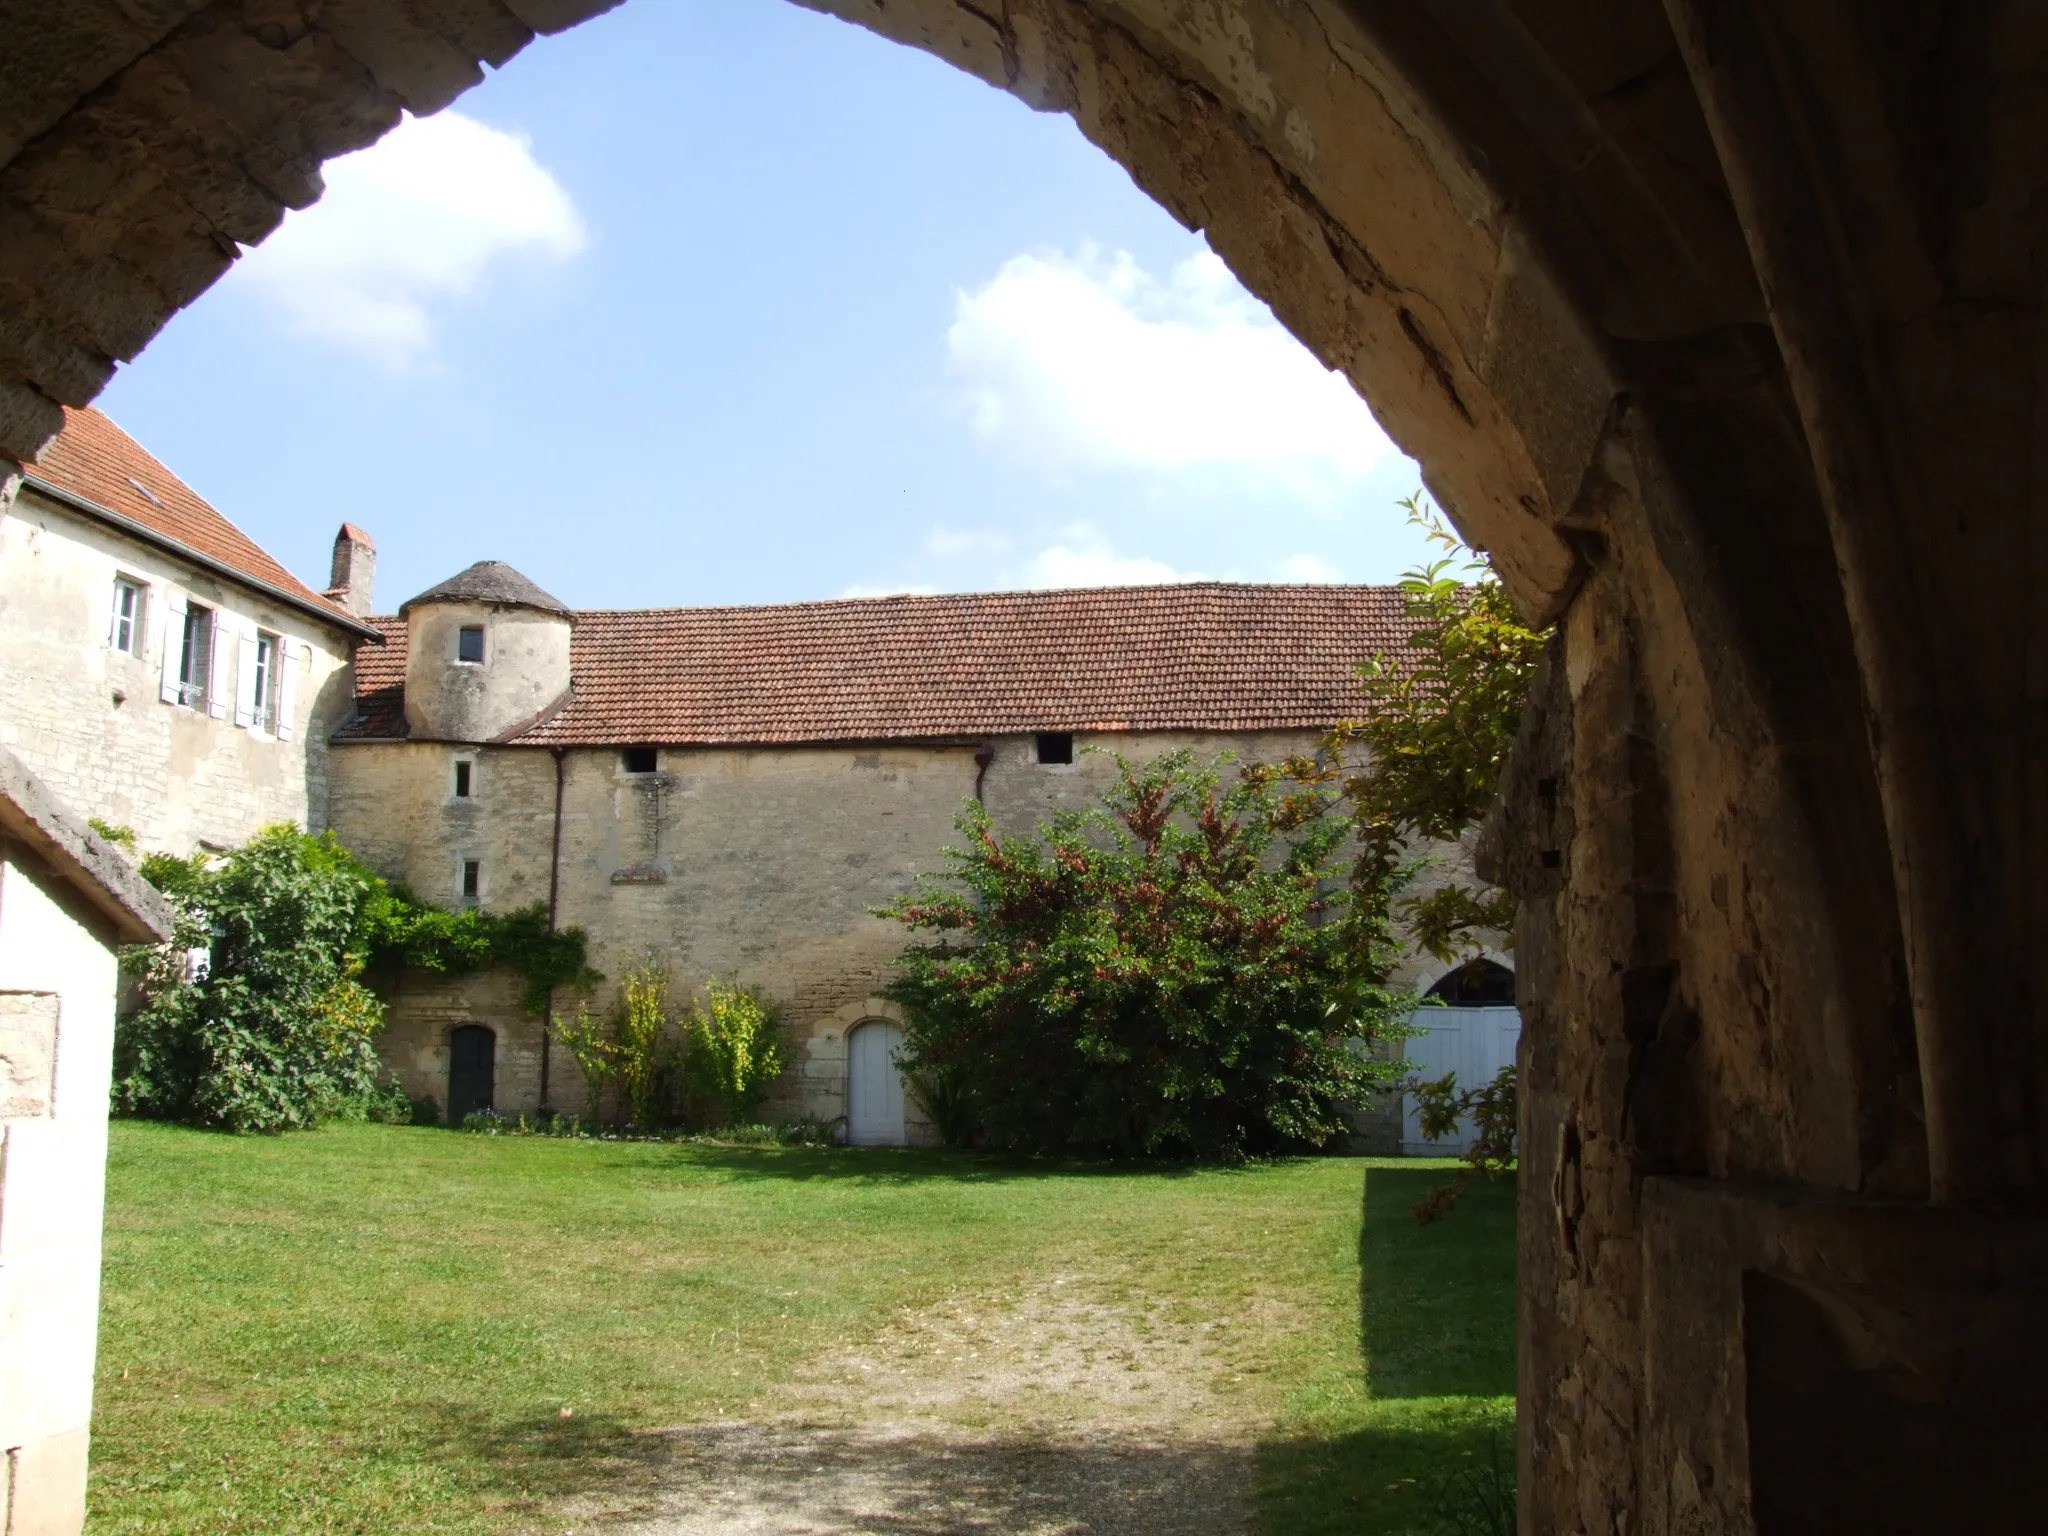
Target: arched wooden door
472 1070
874 1088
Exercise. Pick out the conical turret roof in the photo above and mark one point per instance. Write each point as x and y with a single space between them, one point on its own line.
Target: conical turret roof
491 581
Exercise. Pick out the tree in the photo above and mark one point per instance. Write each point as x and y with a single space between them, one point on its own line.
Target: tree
1437 725
274 1032
1159 976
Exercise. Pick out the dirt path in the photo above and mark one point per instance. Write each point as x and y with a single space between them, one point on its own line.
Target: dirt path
1050 1413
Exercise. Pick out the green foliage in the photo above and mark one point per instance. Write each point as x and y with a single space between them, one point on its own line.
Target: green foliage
1160 976
400 929
732 1050
640 1022
947 1099
1491 1106
587 1039
119 836
706 1065
276 1034
1437 725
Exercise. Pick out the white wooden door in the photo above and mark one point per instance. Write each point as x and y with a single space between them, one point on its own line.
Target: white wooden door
1475 1043
874 1088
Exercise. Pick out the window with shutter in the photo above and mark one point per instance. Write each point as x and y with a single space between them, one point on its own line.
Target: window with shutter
176 646
290 652
218 699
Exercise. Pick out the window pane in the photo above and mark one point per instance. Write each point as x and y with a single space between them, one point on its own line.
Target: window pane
472 879
469 643
196 660
462 781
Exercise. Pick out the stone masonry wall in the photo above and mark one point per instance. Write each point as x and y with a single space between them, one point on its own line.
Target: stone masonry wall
755 864
89 720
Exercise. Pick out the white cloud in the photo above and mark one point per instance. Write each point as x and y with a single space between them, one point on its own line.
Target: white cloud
863 589
415 221
1308 568
1089 360
949 542
1085 558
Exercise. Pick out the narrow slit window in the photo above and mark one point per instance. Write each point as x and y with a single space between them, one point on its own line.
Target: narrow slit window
640 759
472 880
463 780
469 643
1056 747
127 632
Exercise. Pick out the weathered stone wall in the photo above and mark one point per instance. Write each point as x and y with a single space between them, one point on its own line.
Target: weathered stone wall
90 720
1720 325
759 865
525 669
57 980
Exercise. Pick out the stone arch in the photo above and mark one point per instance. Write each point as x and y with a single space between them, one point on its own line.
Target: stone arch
1718 323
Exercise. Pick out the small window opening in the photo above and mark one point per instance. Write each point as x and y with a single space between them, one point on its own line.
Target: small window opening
1056 747
264 696
472 879
127 633
469 643
195 661
641 759
462 778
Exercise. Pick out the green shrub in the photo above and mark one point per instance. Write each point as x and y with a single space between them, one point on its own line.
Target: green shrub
732 1051
587 1040
1166 975
641 1021
426 1110
276 1034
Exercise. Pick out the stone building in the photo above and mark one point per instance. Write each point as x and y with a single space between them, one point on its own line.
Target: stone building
160 670
67 900
734 789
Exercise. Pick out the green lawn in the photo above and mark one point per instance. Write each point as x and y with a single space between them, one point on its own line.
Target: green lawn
377 1329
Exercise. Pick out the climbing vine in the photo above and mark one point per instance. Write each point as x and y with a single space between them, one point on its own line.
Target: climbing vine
399 929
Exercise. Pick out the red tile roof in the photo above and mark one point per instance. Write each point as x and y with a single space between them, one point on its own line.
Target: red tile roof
96 461
1203 656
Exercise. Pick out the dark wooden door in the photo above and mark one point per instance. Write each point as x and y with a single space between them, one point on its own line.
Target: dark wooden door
472 1071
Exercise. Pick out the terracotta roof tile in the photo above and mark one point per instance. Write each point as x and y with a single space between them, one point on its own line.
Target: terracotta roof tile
1202 656
95 460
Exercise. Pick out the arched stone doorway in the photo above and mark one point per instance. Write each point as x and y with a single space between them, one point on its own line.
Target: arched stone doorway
874 1085
1719 325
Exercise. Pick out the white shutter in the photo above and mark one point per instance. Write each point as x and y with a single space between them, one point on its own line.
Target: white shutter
217 673
174 644
290 651
245 674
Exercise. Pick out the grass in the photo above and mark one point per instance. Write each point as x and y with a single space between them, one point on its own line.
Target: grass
1425 1442
379 1329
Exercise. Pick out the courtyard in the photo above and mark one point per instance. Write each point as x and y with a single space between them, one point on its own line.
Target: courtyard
382 1329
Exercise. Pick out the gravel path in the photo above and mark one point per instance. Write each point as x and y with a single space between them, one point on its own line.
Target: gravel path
1049 1414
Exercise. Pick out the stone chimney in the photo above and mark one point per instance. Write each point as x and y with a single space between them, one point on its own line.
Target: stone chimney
353 580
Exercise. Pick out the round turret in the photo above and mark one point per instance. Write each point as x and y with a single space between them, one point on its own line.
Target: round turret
487 655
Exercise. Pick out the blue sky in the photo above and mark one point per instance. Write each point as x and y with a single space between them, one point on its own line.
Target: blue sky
707 302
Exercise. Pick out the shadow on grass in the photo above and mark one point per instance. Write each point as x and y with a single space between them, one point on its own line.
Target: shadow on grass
880 1479
1437 1303
899 1165
1424 1467
1433 1433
